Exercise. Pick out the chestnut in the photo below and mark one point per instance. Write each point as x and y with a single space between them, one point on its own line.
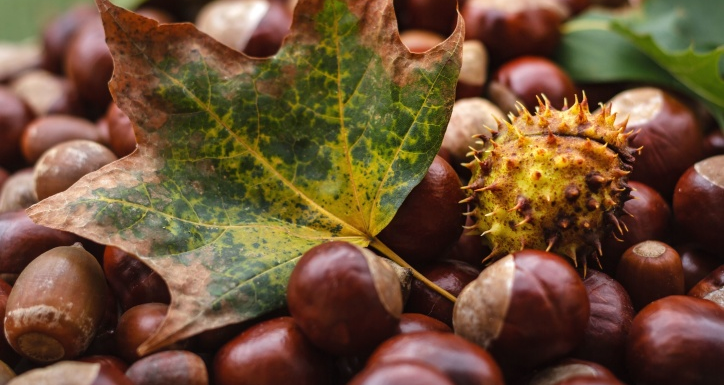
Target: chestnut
697 263
649 218
47 94
23 240
474 70
255 27
16 58
18 192
56 305
344 298
15 114
513 28
58 33
6 373
604 338
136 325
450 275
666 130
567 370
470 117
62 373
420 40
529 308
269 353
527 78
713 144
112 370
711 287
7 354
461 360
416 322
169 367
89 65
433 15
121 137
430 219
698 198
64 164
396 373
132 281
45 132
650 270
677 340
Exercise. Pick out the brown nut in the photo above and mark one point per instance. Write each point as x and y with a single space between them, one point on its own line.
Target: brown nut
697 263
58 33
604 339
47 94
677 340
416 322
396 373
711 287
56 305
528 308
513 28
650 270
64 164
666 129
112 370
89 65
46 132
23 240
469 118
18 192
461 360
344 298
169 367
432 15
132 281
420 40
15 114
567 370
7 354
269 353
430 219
136 325
121 137
525 79
698 199
474 70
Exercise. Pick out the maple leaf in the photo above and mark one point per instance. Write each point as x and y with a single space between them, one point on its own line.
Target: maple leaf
244 163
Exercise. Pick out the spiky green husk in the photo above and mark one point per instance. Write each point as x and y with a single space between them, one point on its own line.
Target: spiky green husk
555 181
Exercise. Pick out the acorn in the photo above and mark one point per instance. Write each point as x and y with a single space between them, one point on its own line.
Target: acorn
553 181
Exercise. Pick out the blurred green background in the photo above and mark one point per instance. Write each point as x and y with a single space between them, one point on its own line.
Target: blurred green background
22 20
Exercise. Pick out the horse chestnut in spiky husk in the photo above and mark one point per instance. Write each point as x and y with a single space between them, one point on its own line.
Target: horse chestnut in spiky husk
554 181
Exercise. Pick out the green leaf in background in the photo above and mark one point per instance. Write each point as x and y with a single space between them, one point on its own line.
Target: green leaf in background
23 20
671 43
243 164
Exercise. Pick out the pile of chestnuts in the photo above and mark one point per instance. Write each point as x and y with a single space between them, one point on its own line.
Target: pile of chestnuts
650 311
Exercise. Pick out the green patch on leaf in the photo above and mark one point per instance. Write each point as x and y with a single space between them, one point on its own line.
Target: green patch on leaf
245 163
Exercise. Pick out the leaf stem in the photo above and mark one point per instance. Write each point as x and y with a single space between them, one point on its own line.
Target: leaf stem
387 252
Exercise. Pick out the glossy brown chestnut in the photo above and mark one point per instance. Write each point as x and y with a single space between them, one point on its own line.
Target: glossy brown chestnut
450 275
697 263
650 270
677 340
23 240
344 298
47 94
112 370
433 15
270 32
420 40
56 305
132 281
430 219
46 132
136 325
513 28
397 373
89 65
525 79
416 322
18 192
270 353
7 354
58 33
528 308
169 367
649 219
567 370
604 339
461 360
666 129
15 114
698 199
710 287
121 138
64 164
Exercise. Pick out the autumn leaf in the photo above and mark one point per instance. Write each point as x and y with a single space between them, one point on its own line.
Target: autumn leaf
245 163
